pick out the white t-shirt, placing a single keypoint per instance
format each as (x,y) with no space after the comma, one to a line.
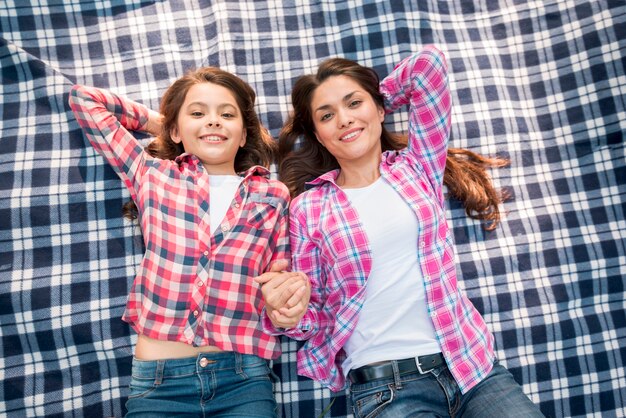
(393,323)
(222,190)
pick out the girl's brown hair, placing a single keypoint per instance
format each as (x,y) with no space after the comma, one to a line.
(465,173)
(259,148)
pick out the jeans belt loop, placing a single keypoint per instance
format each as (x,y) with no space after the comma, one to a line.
(160,366)
(396,374)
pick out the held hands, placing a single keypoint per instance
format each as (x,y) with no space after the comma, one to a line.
(286,294)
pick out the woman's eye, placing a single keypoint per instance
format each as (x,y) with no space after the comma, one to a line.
(355,103)
(228,115)
(325,116)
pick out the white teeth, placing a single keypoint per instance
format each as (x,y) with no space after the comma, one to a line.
(212,138)
(350,135)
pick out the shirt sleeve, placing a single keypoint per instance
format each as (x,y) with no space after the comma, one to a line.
(106,119)
(304,258)
(421,81)
(280,235)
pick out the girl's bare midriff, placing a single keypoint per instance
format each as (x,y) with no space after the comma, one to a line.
(150,349)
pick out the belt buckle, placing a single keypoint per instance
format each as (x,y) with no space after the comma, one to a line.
(419,366)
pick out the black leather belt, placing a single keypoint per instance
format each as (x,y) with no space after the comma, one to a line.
(421,364)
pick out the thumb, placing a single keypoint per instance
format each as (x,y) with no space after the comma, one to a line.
(279,265)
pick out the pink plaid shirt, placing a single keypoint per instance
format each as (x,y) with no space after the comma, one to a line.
(191,286)
(329,244)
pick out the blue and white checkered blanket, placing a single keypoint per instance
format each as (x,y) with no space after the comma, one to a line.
(541,82)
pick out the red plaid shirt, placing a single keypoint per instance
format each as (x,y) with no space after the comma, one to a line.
(191,286)
(329,244)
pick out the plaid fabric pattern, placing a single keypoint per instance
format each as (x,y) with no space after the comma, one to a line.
(329,244)
(192,286)
(539,82)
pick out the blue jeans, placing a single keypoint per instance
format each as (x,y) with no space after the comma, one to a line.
(225,384)
(436,393)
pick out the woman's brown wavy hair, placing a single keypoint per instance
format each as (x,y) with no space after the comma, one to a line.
(259,149)
(465,173)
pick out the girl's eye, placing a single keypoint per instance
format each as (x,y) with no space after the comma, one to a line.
(325,116)
(228,115)
(196,114)
(355,103)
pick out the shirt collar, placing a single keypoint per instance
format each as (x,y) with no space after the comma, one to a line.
(328,177)
(388,158)
(193,162)
(256,169)
(186,158)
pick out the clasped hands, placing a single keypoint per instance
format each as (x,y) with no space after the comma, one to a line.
(286,294)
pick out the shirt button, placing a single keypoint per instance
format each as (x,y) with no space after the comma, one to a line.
(204,362)
(224,228)
(206,253)
(195,313)
(200,284)
(237,205)
(422,244)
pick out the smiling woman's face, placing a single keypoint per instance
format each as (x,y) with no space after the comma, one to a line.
(348,123)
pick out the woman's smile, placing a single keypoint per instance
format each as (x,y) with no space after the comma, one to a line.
(351,135)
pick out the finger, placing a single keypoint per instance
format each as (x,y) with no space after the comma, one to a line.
(296,297)
(294,311)
(294,283)
(264,278)
(276,277)
(280,321)
(286,290)
(291,315)
(279,265)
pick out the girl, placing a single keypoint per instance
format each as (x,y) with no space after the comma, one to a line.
(211,220)
(386,316)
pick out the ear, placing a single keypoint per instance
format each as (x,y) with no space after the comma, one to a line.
(381,114)
(174,135)
(244,135)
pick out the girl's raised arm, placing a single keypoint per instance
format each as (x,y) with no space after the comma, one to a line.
(106,119)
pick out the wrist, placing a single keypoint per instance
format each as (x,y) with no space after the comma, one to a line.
(153,126)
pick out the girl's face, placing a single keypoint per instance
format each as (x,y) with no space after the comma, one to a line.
(348,123)
(210,126)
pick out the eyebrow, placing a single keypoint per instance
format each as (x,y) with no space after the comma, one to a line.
(345,99)
(221,105)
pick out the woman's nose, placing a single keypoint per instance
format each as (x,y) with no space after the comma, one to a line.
(345,120)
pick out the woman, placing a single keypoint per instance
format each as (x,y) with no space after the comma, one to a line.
(386,315)
(211,220)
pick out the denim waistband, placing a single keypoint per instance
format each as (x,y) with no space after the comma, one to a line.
(204,362)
